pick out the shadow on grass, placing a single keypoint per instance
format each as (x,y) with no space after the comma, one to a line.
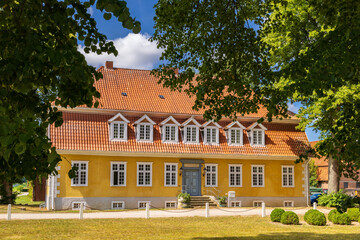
(290,235)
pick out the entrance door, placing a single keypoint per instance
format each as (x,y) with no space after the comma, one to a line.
(192,182)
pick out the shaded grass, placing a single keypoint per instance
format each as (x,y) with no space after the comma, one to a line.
(249,227)
(26,199)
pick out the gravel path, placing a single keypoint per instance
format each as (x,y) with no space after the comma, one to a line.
(153,213)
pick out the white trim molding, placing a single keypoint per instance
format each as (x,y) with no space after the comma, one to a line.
(288,176)
(119,115)
(237,129)
(258,173)
(121,203)
(211,133)
(173,204)
(211,175)
(286,203)
(257,136)
(144,174)
(119,171)
(76,181)
(235,172)
(173,174)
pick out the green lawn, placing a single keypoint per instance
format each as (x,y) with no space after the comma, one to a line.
(26,199)
(252,227)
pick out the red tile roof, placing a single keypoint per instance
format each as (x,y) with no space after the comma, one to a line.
(81,131)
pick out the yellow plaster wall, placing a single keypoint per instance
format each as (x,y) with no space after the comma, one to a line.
(99,178)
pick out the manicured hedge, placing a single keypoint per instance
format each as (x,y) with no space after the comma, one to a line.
(332,214)
(342,219)
(275,215)
(315,217)
(289,217)
(354,213)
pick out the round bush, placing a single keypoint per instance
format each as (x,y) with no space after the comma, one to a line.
(332,214)
(342,219)
(275,215)
(354,213)
(289,217)
(315,217)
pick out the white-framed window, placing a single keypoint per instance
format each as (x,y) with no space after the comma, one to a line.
(258,137)
(144,174)
(235,175)
(257,203)
(211,175)
(81,175)
(117,205)
(235,137)
(142,204)
(288,203)
(76,205)
(170,133)
(235,204)
(287,176)
(191,134)
(145,132)
(118,131)
(257,176)
(170,174)
(118,174)
(211,135)
(170,204)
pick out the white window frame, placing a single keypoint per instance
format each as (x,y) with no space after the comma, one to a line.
(262,132)
(137,174)
(216,175)
(87,173)
(186,132)
(122,202)
(287,174)
(123,139)
(241,136)
(175,202)
(241,175)
(206,137)
(73,207)
(164,133)
(112,174)
(176,174)
(151,132)
(287,201)
(236,202)
(139,202)
(252,176)
(257,202)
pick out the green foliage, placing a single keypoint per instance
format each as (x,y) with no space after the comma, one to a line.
(185,197)
(339,200)
(354,213)
(313,174)
(332,214)
(289,218)
(41,70)
(342,219)
(315,217)
(222,200)
(276,214)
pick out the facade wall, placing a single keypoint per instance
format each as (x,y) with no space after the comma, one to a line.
(99,182)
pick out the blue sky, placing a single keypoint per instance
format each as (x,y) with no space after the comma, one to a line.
(135,51)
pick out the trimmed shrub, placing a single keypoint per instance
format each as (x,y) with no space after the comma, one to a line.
(289,217)
(315,217)
(275,215)
(342,219)
(340,200)
(354,213)
(332,214)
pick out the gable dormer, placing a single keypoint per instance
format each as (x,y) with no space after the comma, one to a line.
(169,129)
(256,134)
(211,132)
(191,131)
(144,129)
(234,134)
(118,128)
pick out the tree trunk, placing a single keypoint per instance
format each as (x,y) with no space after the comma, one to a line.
(8,191)
(333,182)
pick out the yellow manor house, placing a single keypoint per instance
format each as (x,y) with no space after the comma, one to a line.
(145,144)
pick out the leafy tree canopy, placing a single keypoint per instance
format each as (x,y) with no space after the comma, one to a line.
(40,66)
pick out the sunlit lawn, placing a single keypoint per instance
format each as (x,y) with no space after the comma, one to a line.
(250,227)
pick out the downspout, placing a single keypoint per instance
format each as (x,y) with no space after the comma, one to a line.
(307,181)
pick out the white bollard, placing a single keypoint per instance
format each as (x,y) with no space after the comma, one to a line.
(8,217)
(314,205)
(81,213)
(147,211)
(207,211)
(263,213)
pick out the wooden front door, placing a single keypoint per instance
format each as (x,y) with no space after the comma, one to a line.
(192,181)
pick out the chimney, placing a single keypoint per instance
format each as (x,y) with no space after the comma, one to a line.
(109,65)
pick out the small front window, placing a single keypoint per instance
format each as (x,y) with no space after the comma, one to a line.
(257,176)
(118,131)
(235,175)
(170,174)
(170,133)
(287,176)
(118,174)
(258,138)
(145,133)
(211,175)
(236,136)
(81,177)
(144,174)
(191,133)
(211,135)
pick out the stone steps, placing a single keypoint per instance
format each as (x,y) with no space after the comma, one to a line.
(200,201)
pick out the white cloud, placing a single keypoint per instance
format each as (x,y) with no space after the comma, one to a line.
(293,108)
(90,11)
(135,51)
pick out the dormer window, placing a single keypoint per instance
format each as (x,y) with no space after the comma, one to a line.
(211,132)
(235,133)
(118,126)
(170,130)
(144,129)
(191,131)
(256,133)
